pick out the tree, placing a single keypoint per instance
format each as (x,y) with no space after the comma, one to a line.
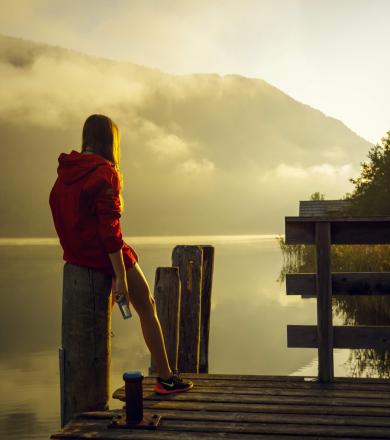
(371,195)
(317,196)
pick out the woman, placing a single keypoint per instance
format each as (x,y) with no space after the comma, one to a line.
(86,204)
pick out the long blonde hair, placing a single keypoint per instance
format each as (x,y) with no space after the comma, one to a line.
(102,136)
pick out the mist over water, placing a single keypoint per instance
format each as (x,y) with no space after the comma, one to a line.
(250,312)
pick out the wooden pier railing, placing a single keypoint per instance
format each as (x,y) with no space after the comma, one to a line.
(323,232)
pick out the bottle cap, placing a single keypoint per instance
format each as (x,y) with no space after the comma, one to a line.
(132,375)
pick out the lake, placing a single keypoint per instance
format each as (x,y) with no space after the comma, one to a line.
(250,313)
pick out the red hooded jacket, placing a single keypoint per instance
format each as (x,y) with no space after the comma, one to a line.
(85,205)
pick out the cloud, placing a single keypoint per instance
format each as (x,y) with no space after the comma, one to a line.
(165,145)
(169,145)
(64,88)
(203,166)
(324,170)
(334,153)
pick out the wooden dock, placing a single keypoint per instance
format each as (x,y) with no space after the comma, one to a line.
(253,407)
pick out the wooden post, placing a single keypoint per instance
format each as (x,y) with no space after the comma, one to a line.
(134,396)
(189,260)
(324,301)
(86,343)
(167,298)
(61,354)
(207,280)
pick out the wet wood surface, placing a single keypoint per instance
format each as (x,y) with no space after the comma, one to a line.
(250,406)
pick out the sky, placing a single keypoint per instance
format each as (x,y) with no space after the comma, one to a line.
(330,54)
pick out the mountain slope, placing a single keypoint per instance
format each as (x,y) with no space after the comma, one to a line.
(201,154)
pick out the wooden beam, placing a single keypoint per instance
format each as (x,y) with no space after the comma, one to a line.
(360,336)
(167,297)
(324,302)
(189,260)
(344,230)
(207,281)
(343,283)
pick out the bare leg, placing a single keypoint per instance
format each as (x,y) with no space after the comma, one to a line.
(143,303)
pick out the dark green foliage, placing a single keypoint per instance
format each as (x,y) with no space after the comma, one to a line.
(371,195)
(317,196)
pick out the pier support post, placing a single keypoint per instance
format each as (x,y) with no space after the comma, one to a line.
(86,341)
(167,298)
(207,280)
(324,302)
(189,260)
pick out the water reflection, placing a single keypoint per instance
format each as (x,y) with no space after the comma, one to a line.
(351,310)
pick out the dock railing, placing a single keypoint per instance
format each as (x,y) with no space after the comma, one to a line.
(324,232)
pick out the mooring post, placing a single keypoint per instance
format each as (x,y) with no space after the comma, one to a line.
(189,260)
(324,301)
(133,395)
(85,355)
(207,281)
(167,298)
(135,418)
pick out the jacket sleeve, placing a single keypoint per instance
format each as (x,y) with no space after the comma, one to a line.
(108,210)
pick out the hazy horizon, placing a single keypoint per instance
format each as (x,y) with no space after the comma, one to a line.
(152,239)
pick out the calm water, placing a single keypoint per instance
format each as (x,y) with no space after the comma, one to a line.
(250,312)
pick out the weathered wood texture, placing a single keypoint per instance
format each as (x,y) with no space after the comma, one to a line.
(344,230)
(343,283)
(189,260)
(167,297)
(86,342)
(207,280)
(359,336)
(323,284)
(324,302)
(249,406)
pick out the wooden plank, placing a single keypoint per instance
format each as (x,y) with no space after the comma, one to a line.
(206,397)
(359,336)
(324,302)
(343,283)
(373,391)
(222,416)
(244,424)
(292,379)
(286,381)
(366,395)
(95,428)
(189,260)
(350,230)
(278,408)
(167,296)
(273,428)
(311,385)
(207,280)
(243,417)
(249,377)
(91,427)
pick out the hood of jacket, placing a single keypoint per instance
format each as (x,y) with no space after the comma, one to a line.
(75,165)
